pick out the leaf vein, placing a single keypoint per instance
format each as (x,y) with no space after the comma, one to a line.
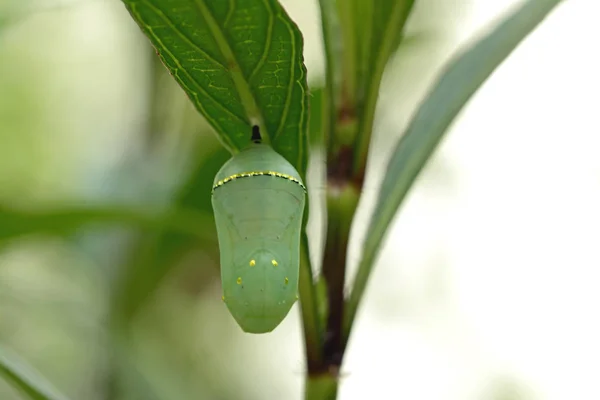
(246,96)
(229,13)
(197,102)
(183,36)
(268,41)
(290,85)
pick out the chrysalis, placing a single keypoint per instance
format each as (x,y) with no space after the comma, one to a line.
(258,199)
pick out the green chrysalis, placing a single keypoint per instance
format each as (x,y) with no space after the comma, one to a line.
(258,200)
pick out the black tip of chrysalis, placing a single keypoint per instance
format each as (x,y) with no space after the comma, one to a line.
(256,138)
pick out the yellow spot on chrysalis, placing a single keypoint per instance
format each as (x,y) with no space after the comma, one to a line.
(223,298)
(287,280)
(239,280)
(274,263)
(252,263)
(296,297)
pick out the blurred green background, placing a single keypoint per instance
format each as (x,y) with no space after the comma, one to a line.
(89,116)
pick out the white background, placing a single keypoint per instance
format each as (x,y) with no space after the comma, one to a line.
(489,280)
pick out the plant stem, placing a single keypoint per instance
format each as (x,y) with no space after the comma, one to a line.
(321,387)
(308,307)
(342,200)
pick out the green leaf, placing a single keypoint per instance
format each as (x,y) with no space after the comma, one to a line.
(334,72)
(460,80)
(359,39)
(19,222)
(317,113)
(23,377)
(241,64)
(381,30)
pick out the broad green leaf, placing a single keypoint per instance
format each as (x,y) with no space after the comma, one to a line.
(19,222)
(241,64)
(23,377)
(459,81)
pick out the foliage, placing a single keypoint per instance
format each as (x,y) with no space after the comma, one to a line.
(240,63)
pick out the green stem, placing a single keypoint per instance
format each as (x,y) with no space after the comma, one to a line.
(342,201)
(309,309)
(321,387)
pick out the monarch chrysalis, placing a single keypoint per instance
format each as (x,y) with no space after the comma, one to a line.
(258,200)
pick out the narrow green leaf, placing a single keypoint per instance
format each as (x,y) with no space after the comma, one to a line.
(334,72)
(460,80)
(347,38)
(241,64)
(18,222)
(384,22)
(316,130)
(23,377)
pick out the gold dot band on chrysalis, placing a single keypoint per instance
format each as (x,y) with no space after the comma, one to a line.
(258,173)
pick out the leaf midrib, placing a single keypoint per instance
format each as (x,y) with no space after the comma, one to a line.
(290,88)
(249,103)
